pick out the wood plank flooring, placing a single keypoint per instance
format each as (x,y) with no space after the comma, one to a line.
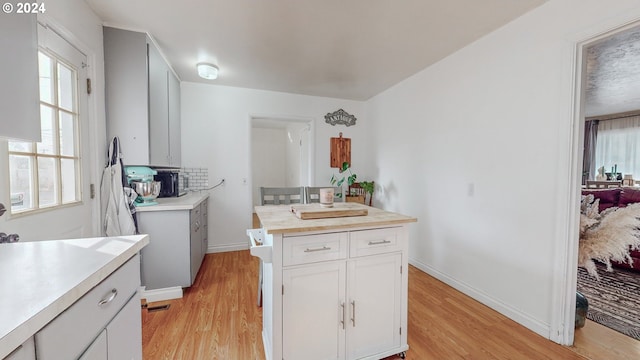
(218,319)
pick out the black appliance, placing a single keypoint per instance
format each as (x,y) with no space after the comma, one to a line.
(174,183)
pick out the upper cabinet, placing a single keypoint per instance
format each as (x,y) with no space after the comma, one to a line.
(19,97)
(142,99)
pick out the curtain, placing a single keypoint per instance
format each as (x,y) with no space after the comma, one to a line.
(588,160)
(618,142)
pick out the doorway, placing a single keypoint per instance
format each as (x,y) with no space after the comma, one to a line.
(606,76)
(281,153)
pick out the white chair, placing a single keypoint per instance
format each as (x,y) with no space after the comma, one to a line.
(282,195)
(312,194)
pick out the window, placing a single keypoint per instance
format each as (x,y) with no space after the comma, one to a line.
(47,174)
(617,145)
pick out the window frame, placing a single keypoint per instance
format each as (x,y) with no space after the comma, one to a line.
(35,155)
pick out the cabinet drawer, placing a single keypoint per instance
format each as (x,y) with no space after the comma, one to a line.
(371,242)
(79,325)
(313,248)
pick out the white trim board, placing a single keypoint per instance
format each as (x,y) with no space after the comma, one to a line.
(161,294)
(227,248)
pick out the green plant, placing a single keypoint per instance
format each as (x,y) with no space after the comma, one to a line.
(351,179)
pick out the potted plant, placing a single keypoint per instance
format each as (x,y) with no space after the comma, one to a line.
(367,186)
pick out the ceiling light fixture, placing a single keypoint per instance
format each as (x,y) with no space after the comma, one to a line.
(207,71)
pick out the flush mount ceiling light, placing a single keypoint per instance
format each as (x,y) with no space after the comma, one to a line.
(207,71)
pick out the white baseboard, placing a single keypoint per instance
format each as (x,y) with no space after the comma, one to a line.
(523,319)
(227,248)
(161,294)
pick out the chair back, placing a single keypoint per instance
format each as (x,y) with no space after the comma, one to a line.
(282,195)
(356,190)
(312,194)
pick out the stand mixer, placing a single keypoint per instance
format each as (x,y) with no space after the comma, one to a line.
(140,179)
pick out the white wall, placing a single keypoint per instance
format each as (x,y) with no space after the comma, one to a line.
(215,135)
(80,25)
(268,159)
(478,148)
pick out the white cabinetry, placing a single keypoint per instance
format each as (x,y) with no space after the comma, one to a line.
(19,97)
(26,351)
(142,99)
(104,324)
(313,324)
(175,254)
(342,295)
(98,349)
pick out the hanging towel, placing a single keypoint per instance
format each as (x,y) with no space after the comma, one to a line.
(117,217)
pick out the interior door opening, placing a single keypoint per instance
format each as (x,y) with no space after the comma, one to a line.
(603,91)
(281,153)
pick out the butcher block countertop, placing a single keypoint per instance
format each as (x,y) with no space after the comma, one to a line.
(279,219)
(41,279)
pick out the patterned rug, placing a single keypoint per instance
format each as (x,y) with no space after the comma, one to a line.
(614,301)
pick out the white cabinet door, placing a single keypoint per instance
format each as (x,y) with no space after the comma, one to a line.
(124,332)
(26,351)
(195,241)
(166,261)
(98,348)
(175,152)
(19,97)
(374,299)
(314,313)
(158,108)
(127,92)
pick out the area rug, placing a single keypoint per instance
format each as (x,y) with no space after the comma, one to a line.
(614,301)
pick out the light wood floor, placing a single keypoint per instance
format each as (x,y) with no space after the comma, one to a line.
(218,319)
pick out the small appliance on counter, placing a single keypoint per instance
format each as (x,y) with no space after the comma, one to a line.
(174,183)
(140,179)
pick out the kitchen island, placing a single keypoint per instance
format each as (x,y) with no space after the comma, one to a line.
(42,279)
(333,287)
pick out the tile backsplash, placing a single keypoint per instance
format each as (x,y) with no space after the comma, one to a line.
(198,178)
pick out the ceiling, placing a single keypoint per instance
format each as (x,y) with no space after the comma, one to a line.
(613,74)
(351,49)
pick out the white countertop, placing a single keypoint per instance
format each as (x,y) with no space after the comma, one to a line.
(186,202)
(40,279)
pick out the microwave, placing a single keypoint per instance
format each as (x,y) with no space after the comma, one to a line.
(173,183)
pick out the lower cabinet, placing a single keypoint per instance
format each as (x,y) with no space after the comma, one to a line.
(176,246)
(105,323)
(98,349)
(26,351)
(118,341)
(345,308)
(315,319)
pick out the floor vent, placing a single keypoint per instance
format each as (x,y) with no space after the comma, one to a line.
(158,308)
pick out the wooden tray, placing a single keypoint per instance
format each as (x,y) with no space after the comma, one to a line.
(315,211)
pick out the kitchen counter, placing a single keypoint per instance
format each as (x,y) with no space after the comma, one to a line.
(278,219)
(186,202)
(41,279)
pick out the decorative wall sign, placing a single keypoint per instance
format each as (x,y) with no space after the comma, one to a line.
(340,151)
(340,117)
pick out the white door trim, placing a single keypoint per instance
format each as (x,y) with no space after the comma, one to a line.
(566,261)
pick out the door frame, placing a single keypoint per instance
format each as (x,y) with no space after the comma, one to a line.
(566,264)
(284,119)
(91,160)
